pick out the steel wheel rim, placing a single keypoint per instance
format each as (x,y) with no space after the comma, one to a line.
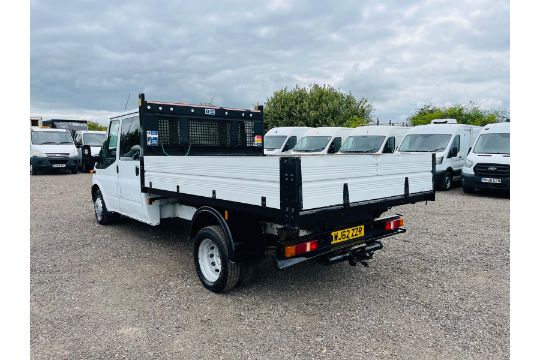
(209,260)
(98,208)
(448,181)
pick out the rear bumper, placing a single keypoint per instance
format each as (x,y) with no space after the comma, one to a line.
(348,250)
(47,163)
(475,181)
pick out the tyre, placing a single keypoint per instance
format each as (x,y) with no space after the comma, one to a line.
(103,216)
(212,261)
(446,182)
(74,170)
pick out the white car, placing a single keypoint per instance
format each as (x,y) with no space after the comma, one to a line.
(88,143)
(281,140)
(52,149)
(488,164)
(373,139)
(450,141)
(321,140)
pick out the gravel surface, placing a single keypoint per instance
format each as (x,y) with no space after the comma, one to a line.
(129,290)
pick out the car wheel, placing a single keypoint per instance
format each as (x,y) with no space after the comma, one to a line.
(446,183)
(214,268)
(103,216)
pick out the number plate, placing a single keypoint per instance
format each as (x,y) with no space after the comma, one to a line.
(58,165)
(347,234)
(491,180)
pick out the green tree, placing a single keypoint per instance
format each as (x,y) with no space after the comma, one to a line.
(464,114)
(315,106)
(92,125)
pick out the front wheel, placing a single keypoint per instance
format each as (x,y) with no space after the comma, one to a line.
(211,255)
(103,216)
(446,182)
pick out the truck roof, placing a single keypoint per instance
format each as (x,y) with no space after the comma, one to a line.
(496,128)
(379,130)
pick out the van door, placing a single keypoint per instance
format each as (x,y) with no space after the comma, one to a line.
(108,168)
(458,159)
(129,170)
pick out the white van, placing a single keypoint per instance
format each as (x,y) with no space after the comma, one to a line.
(488,164)
(52,149)
(88,143)
(281,140)
(449,140)
(321,140)
(373,139)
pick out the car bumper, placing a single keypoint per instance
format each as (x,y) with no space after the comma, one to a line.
(56,163)
(475,181)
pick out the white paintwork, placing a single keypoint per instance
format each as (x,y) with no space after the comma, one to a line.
(79,136)
(467,134)
(332,132)
(388,131)
(475,156)
(288,132)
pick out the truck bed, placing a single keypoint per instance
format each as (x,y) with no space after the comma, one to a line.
(291,186)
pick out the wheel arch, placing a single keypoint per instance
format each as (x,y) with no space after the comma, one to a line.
(206,216)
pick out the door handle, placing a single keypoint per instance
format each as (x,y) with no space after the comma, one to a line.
(117,169)
(136,171)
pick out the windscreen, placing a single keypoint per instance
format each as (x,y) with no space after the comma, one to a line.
(362,144)
(273,142)
(51,137)
(71,125)
(425,142)
(93,139)
(312,143)
(498,143)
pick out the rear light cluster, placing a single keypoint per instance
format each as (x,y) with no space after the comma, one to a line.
(298,249)
(394,224)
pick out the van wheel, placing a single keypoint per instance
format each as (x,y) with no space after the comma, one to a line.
(32,170)
(75,169)
(103,216)
(210,253)
(446,183)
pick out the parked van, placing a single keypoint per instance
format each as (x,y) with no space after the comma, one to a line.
(374,139)
(321,140)
(488,164)
(449,140)
(281,140)
(52,149)
(88,143)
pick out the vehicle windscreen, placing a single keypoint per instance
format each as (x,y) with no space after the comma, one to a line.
(93,139)
(362,144)
(273,142)
(51,137)
(71,125)
(493,144)
(425,142)
(312,143)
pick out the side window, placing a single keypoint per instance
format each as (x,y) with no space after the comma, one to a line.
(291,143)
(335,145)
(112,141)
(130,139)
(454,149)
(390,145)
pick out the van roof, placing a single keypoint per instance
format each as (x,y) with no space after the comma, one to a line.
(497,128)
(287,130)
(438,128)
(379,130)
(328,131)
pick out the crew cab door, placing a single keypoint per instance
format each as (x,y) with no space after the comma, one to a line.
(107,168)
(131,199)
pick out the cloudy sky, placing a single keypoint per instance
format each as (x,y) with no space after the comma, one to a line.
(87,56)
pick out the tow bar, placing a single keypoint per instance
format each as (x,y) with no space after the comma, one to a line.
(359,255)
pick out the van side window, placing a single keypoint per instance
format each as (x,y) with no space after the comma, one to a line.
(291,143)
(390,145)
(455,145)
(335,145)
(130,139)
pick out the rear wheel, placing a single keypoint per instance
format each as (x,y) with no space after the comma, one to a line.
(212,261)
(446,183)
(103,216)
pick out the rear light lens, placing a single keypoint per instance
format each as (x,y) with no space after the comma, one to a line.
(394,224)
(298,249)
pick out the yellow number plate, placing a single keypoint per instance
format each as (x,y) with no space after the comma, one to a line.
(347,234)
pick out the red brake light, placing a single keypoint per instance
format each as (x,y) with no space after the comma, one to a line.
(394,224)
(302,248)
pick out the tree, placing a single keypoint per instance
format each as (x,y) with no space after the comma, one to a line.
(464,114)
(315,106)
(92,125)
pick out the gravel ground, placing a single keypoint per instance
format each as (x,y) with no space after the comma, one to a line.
(129,290)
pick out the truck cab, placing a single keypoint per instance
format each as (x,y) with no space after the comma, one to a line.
(488,164)
(52,149)
(320,141)
(373,139)
(88,143)
(450,141)
(281,140)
